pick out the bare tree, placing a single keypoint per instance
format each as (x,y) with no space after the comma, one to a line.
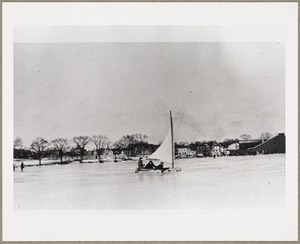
(38,145)
(266,136)
(62,146)
(81,142)
(245,137)
(139,138)
(109,145)
(123,142)
(100,142)
(127,140)
(18,142)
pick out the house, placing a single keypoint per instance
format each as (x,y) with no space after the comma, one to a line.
(233,146)
(221,149)
(241,148)
(232,149)
(203,150)
(117,151)
(108,152)
(226,152)
(183,151)
(192,154)
(216,150)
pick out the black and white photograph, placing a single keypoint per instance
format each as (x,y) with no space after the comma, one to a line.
(148,118)
(149,125)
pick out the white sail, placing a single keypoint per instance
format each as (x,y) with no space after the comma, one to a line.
(164,152)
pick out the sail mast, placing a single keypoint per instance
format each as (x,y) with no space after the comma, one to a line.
(172,142)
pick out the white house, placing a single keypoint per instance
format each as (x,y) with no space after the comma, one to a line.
(183,152)
(234,146)
(216,150)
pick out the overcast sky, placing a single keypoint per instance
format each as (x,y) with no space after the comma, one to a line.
(215,90)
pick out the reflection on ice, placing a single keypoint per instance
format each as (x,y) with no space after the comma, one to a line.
(244,182)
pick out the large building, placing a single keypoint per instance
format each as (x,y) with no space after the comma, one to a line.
(275,144)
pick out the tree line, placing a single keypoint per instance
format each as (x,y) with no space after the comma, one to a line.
(41,147)
(133,145)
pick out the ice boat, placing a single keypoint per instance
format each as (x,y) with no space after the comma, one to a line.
(165,153)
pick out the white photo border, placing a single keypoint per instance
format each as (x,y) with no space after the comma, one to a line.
(237,22)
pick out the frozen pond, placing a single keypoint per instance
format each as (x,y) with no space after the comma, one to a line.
(225,182)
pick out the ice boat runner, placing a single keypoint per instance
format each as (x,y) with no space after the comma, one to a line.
(165,153)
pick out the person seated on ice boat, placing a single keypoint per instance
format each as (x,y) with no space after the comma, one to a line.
(161,166)
(140,164)
(150,165)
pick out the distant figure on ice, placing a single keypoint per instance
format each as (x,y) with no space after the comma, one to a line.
(22,166)
(14,167)
(161,166)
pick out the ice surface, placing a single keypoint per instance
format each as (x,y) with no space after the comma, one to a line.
(225,182)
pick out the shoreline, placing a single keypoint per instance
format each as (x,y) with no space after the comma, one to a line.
(34,163)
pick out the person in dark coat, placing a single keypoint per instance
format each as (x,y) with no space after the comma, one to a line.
(150,165)
(161,167)
(140,164)
(22,166)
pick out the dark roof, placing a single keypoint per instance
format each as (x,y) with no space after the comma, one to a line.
(250,141)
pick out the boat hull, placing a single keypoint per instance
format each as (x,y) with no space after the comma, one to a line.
(157,171)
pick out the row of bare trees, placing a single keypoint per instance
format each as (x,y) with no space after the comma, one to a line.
(127,140)
(62,145)
(264,136)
